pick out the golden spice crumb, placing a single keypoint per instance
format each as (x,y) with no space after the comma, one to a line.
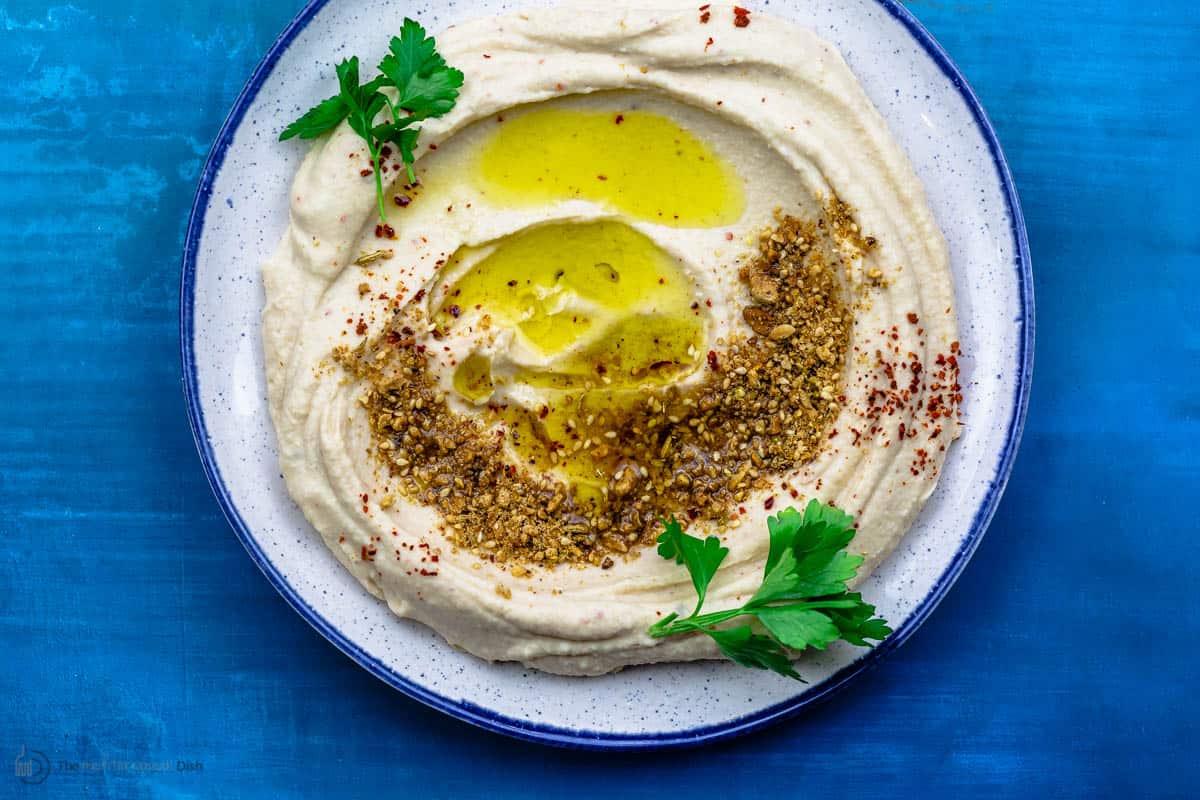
(780,332)
(366,258)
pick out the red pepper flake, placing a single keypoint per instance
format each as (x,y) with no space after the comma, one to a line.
(620,118)
(367,553)
(712,361)
(385,151)
(913,318)
(402,200)
(741,17)
(705,17)
(364,172)
(601,177)
(769,503)
(487,55)
(543,412)
(705,7)
(707,45)
(428,573)
(455,311)
(361,328)
(419,296)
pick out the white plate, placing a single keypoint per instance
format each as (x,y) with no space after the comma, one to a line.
(241,211)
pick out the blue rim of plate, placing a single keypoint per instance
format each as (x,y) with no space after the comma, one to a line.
(565,737)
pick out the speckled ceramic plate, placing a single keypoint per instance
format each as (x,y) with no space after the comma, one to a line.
(241,211)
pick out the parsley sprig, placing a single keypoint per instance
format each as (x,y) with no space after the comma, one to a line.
(425,87)
(803,600)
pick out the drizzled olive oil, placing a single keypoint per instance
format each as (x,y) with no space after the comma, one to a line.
(597,302)
(637,163)
(603,310)
(602,316)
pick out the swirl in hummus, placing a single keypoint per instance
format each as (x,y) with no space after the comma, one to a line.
(657,262)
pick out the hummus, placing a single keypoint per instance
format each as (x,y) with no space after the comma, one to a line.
(581,228)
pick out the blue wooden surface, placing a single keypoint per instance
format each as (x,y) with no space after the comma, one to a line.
(134,628)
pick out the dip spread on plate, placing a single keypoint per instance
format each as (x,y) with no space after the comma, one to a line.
(654,262)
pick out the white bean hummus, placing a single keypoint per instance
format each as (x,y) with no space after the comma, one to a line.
(615,211)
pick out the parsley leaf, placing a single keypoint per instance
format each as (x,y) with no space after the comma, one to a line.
(425,87)
(405,138)
(319,119)
(754,650)
(802,602)
(412,53)
(702,557)
(363,102)
(428,88)
(800,628)
(857,623)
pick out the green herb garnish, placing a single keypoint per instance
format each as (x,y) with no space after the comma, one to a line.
(424,87)
(803,600)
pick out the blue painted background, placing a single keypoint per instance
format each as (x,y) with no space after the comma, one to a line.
(133,627)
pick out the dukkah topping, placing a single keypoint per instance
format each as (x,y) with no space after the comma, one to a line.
(763,408)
